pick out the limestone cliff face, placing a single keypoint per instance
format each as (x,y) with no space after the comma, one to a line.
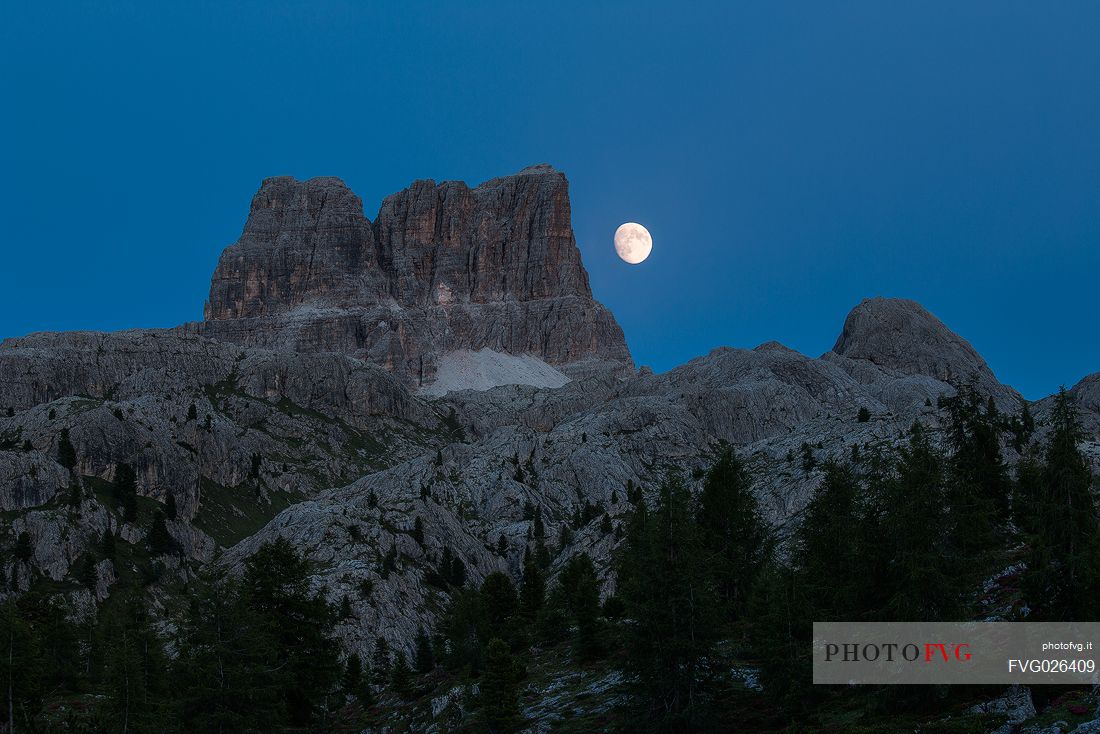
(443,267)
(285,424)
(304,242)
(902,336)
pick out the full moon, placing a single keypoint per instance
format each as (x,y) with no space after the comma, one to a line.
(633,243)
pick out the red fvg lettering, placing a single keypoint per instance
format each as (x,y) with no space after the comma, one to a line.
(960,651)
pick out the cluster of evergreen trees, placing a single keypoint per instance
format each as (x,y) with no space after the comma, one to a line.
(486,631)
(896,533)
(905,533)
(251,654)
(910,534)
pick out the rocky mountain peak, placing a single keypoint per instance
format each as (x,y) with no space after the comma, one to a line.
(443,268)
(303,241)
(902,335)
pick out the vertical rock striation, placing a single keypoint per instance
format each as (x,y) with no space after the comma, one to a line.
(444,267)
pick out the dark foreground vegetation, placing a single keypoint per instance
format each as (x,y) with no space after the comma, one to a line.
(708,629)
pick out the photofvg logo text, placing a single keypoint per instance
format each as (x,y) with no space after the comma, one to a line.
(935,653)
(910,652)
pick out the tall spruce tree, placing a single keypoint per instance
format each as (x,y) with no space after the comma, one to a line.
(126,491)
(460,627)
(911,537)
(135,669)
(734,533)
(227,674)
(827,559)
(401,676)
(499,707)
(532,588)
(66,452)
(356,680)
(380,661)
(159,540)
(498,608)
(579,596)
(57,638)
(21,670)
(425,657)
(1063,569)
(978,481)
(275,587)
(825,580)
(781,634)
(667,586)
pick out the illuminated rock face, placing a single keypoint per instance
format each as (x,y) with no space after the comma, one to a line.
(444,267)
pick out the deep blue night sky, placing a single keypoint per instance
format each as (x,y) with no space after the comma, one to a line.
(789,158)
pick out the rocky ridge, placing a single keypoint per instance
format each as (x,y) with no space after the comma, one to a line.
(332,443)
(443,267)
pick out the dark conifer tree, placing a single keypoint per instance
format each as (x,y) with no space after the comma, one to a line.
(76,495)
(446,561)
(159,540)
(910,534)
(734,533)
(498,696)
(542,554)
(401,676)
(135,669)
(228,675)
(458,572)
(828,561)
(781,635)
(86,572)
(57,638)
(578,597)
(667,586)
(380,662)
(276,588)
(585,604)
(532,589)
(356,681)
(809,461)
(498,607)
(24,549)
(425,657)
(459,627)
(389,562)
(21,671)
(126,491)
(1063,570)
(978,481)
(66,452)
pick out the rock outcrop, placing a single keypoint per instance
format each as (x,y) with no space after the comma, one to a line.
(307,403)
(231,435)
(561,449)
(442,268)
(901,336)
